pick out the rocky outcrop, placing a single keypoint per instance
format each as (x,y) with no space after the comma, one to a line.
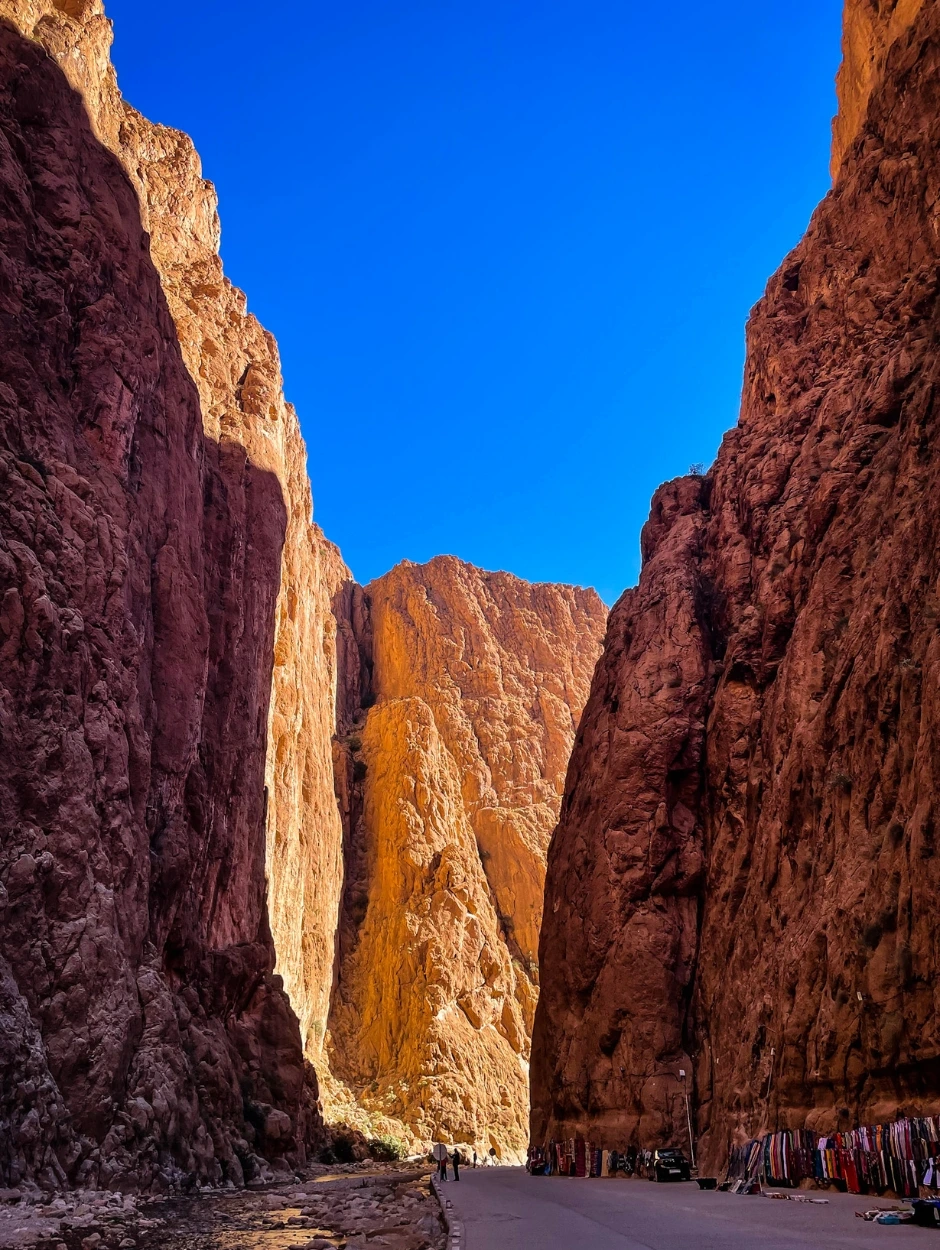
(148,1040)
(743,881)
(473,683)
(869,28)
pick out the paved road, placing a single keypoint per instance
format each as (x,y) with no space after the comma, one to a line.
(506,1209)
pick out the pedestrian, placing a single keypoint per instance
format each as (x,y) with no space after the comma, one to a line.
(440,1154)
(455,1159)
(474,1158)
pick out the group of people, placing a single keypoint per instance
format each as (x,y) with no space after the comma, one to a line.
(456,1159)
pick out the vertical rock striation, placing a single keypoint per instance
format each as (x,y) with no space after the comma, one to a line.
(743,880)
(476,682)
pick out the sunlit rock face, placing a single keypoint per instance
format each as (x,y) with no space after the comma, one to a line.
(743,882)
(455,775)
(143,522)
(869,29)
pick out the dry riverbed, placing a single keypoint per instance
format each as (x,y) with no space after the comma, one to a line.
(356,1207)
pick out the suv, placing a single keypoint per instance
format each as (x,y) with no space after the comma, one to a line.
(671,1165)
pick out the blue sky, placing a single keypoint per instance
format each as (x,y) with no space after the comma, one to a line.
(508,247)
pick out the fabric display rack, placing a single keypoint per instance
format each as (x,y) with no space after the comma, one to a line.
(903,1157)
(576,1157)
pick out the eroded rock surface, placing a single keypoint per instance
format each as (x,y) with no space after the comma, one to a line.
(452,789)
(144,524)
(743,882)
(869,28)
(234,364)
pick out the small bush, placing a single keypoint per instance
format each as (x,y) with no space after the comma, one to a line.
(387,1149)
(355,743)
(697,469)
(359,770)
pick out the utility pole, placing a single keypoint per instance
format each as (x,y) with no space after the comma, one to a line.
(688,1114)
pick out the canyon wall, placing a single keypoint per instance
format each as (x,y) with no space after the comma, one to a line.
(145,1038)
(455,767)
(234,364)
(311,771)
(869,28)
(743,881)
(275,579)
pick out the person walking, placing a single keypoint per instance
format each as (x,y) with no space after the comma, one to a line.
(440,1154)
(455,1160)
(474,1158)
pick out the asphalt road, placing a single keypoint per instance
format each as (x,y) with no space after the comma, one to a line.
(506,1209)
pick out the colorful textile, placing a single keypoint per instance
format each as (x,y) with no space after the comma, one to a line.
(902,1156)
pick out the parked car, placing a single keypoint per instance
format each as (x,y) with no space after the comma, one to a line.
(671,1165)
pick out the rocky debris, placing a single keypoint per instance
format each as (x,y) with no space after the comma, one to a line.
(146,1039)
(320,1209)
(394,1209)
(743,881)
(474,684)
(85,1218)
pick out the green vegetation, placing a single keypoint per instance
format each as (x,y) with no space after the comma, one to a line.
(387,1149)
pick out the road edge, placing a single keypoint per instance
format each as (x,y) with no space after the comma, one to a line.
(454,1226)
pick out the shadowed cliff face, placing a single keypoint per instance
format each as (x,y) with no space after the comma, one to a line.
(744,879)
(144,1036)
(451,787)
(234,365)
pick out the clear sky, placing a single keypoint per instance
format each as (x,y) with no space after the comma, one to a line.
(508,247)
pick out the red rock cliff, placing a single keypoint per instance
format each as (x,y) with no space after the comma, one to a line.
(743,882)
(154,492)
(234,364)
(869,29)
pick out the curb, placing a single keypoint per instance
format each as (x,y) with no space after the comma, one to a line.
(455,1233)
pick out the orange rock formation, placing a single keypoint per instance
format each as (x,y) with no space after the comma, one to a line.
(869,28)
(145,1038)
(479,681)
